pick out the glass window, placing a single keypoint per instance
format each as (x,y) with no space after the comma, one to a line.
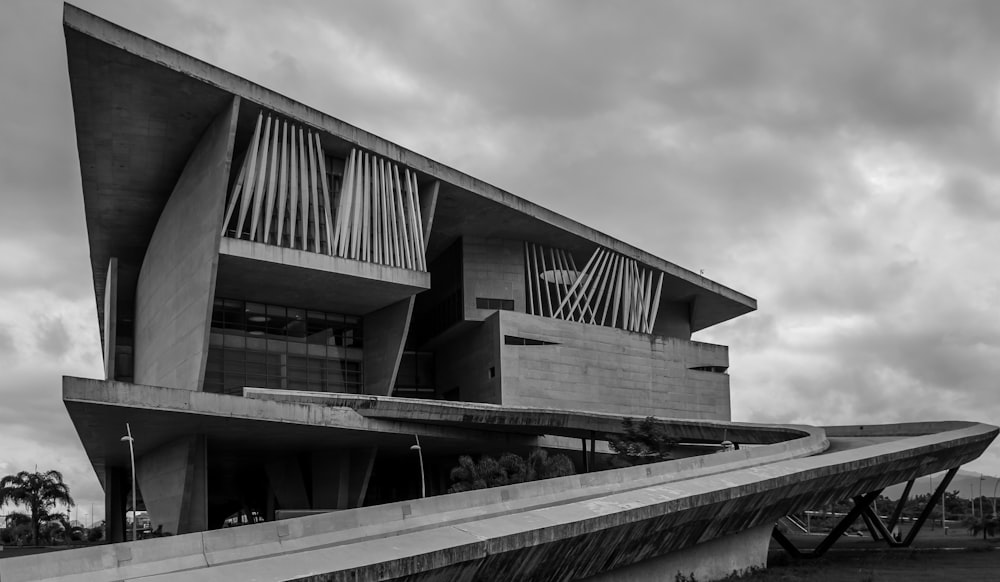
(280,347)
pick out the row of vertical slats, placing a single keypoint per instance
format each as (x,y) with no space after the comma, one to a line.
(378,219)
(282,197)
(611,290)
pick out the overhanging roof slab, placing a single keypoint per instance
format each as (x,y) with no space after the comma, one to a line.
(271,274)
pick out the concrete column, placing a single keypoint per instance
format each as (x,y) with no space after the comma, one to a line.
(173,481)
(331,472)
(110,319)
(428,204)
(385,336)
(285,477)
(115,493)
(340,477)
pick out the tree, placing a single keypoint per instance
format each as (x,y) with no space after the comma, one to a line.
(507,470)
(541,466)
(644,442)
(39,492)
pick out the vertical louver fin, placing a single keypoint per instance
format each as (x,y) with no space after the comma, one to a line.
(283,196)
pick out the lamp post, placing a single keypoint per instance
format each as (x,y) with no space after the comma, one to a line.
(981,512)
(972,498)
(420,455)
(131,453)
(995,483)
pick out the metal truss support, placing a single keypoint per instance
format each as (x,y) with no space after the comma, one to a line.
(885,531)
(862,508)
(860,504)
(896,513)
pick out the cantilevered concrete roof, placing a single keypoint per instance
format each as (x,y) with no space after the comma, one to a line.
(141,107)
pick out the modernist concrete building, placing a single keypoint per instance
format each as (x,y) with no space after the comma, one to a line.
(288,302)
(239,239)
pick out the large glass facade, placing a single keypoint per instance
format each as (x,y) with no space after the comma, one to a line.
(272,346)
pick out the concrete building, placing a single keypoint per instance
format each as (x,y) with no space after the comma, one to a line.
(240,239)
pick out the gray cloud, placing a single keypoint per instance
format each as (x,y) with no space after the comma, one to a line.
(53,338)
(8,349)
(971,198)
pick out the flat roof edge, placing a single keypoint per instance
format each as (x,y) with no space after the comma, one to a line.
(134,43)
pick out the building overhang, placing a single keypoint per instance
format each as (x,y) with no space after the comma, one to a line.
(99,410)
(270,274)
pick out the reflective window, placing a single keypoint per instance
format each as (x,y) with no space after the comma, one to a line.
(273,346)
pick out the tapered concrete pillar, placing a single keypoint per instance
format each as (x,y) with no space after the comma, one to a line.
(385,337)
(173,482)
(340,477)
(285,477)
(176,286)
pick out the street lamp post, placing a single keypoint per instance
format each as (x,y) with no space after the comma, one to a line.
(995,483)
(972,498)
(981,512)
(420,455)
(131,453)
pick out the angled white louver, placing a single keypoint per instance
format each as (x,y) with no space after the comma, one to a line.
(612,290)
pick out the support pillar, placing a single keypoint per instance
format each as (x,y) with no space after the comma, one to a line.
(115,493)
(174,485)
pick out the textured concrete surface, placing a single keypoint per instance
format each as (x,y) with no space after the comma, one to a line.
(173,301)
(534,420)
(99,410)
(609,369)
(712,560)
(464,363)
(492,268)
(560,529)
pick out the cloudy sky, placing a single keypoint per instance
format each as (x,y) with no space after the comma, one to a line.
(839,162)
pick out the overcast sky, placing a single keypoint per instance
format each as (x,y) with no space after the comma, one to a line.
(838,161)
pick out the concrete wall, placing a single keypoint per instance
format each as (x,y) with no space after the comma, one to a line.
(492,268)
(604,369)
(177,280)
(465,363)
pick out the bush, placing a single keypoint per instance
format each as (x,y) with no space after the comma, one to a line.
(509,469)
(644,442)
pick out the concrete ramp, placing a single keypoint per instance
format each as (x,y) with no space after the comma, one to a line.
(560,529)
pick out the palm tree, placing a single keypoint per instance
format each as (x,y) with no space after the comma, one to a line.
(39,492)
